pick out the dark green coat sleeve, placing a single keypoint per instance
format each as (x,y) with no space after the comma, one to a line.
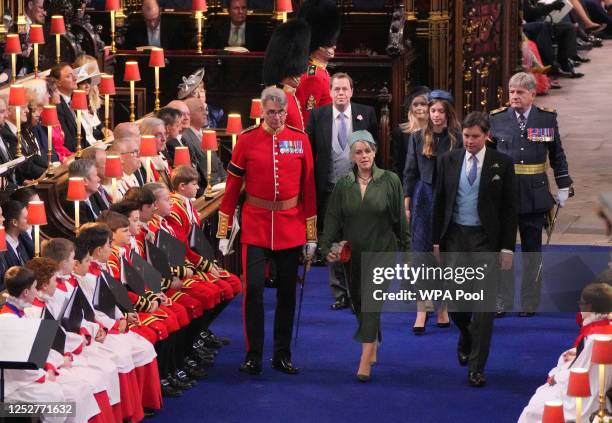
(332,229)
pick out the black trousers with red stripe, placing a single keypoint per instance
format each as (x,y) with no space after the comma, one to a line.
(253,263)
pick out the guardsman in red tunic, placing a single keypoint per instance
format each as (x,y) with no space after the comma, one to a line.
(285,60)
(274,161)
(324,21)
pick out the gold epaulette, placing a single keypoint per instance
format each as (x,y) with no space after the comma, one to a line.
(250,128)
(496,111)
(546,109)
(295,129)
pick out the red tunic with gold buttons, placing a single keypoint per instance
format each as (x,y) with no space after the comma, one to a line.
(275,166)
(295,117)
(313,90)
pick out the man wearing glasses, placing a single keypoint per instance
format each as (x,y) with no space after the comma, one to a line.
(279,221)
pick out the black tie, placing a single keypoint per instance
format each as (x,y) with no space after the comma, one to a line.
(522,122)
(22,254)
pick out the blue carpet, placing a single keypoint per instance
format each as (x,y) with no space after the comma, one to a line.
(417,379)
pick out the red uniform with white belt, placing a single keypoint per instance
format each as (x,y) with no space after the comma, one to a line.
(278,217)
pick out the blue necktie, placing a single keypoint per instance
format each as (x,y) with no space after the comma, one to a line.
(342,131)
(473,170)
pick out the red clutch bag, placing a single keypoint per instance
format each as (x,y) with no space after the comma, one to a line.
(345,253)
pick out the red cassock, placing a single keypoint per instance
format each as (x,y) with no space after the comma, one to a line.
(313,90)
(276,166)
(294,111)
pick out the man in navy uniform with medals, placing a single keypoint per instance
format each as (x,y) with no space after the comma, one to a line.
(529,134)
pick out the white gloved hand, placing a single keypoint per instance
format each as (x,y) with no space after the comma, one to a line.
(562,196)
(224,246)
(309,250)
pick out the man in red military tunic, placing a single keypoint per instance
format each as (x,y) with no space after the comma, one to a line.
(324,21)
(285,60)
(278,218)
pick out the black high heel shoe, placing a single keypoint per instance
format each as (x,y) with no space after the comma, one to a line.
(420,330)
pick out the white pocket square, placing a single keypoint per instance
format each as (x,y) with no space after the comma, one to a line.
(496,178)
(495,165)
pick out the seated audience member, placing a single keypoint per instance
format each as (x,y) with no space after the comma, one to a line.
(57,133)
(89,210)
(596,308)
(194,87)
(65,78)
(193,136)
(8,180)
(3,265)
(34,135)
(102,198)
(35,165)
(128,150)
(16,224)
(159,169)
(235,31)
(88,78)
(25,195)
(151,29)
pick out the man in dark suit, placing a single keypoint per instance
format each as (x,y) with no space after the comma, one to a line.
(530,134)
(16,223)
(89,210)
(328,130)
(235,32)
(66,84)
(151,29)
(475,212)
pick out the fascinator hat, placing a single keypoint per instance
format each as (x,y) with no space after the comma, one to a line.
(88,71)
(361,135)
(190,84)
(441,95)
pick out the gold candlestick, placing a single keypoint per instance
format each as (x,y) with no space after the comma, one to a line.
(78,139)
(36,60)
(18,121)
(36,241)
(233,141)
(50,150)
(112,17)
(57,49)
(106,115)
(198,16)
(76,216)
(114,189)
(132,104)
(157,104)
(13,68)
(208,193)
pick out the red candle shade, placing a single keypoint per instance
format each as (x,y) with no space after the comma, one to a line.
(147,146)
(199,5)
(284,6)
(112,167)
(76,189)
(553,412)
(13,45)
(255,108)
(57,25)
(157,58)
(132,73)
(234,123)
(107,85)
(181,157)
(17,96)
(112,5)
(79,100)
(579,385)
(2,239)
(36,34)
(36,213)
(602,350)
(48,116)
(209,140)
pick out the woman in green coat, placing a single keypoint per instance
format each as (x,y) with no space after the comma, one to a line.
(365,209)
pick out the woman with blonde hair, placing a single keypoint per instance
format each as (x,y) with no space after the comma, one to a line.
(88,78)
(441,134)
(417,119)
(34,135)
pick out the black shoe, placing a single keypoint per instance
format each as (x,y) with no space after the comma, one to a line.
(526,314)
(341,302)
(202,359)
(284,365)
(476,379)
(463,350)
(222,339)
(500,314)
(581,59)
(418,330)
(209,340)
(194,370)
(597,41)
(148,413)
(443,325)
(180,380)
(168,390)
(251,367)
(596,30)
(270,283)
